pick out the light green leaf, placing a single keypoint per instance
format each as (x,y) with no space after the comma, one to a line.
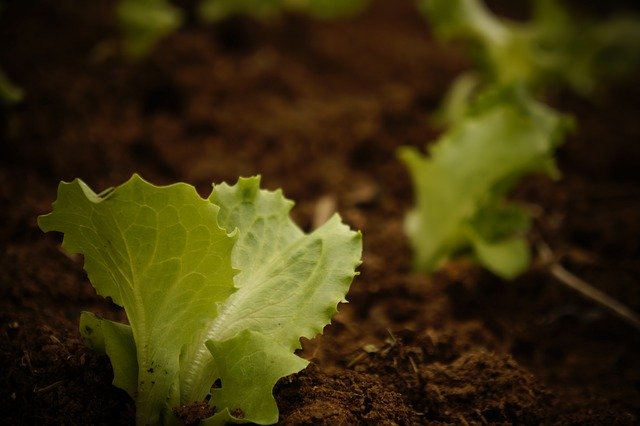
(293,280)
(329,9)
(217,10)
(497,234)
(144,22)
(9,93)
(464,18)
(506,258)
(459,187)
(159,253)
(249,364)
(458,98)
(289,286)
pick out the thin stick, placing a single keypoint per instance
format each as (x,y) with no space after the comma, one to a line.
(584,288)
(49,387)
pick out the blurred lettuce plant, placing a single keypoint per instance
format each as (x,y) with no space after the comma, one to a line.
(553,48)
(461,186)
(144,22)
(216,10)
(9,93)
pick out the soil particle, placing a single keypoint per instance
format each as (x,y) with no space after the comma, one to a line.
(340,398)
(192,414)
(447,382)
(49,377)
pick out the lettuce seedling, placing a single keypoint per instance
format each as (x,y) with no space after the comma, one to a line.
(553,48)
(9,93)
(216,291)
(460,187)
(144,22)
(216,10)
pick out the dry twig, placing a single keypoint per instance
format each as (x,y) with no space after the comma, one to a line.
(584,288)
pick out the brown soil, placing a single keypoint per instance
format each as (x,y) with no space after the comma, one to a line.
(319,110)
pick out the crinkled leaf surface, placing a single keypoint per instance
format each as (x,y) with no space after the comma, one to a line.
(159,253)
(289,286)
(460,186)
(301,276)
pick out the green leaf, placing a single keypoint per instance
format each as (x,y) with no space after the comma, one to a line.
(506,258)
(144,22)
(497,234)
(9,93)
(159,253)
(458,98)
(293,280)
(289,286)
(460,186)
(464,18)
(249,365)
(330,9)
(217,10)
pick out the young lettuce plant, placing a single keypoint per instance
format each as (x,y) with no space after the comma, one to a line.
(497,131)
(216,291)
(216,10)
(144,22)
(553,48)
(9,93)
(460,187)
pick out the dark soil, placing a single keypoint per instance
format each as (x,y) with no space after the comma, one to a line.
(318,109)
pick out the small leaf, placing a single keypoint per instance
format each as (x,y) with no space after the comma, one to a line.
(9,93)
(217,10)
(144,22)
(249,365)
(506,258)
